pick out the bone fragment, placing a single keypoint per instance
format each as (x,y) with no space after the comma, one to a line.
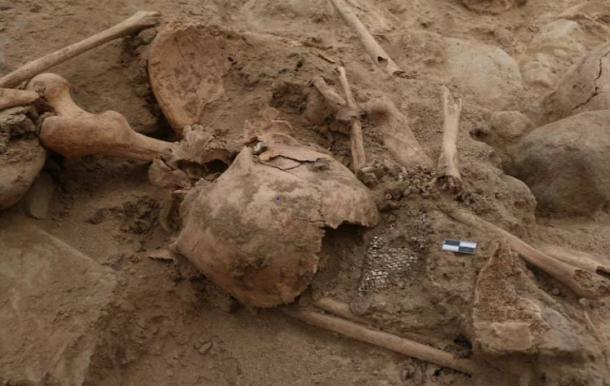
(449,177)
(12,97)
(383,113)
(335,101)
(383,339)
(74,132)
(396,133)
(356,138)
(582,282)
(138,21)
(375,51)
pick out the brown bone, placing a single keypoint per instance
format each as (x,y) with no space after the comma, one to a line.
(75,132)
(10,97)
(383,339)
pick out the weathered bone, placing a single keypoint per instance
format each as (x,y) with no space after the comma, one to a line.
(140,20)
(582,282)
(251,198)
(383,339)
(75,132)
(11,97)
(396,133)
(375,51)
(356,138)
(334,100)
(576,258)
(393,125)
(449,177)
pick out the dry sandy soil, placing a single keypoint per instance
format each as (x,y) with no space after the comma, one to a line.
(137,320)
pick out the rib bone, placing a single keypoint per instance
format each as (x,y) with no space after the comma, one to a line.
(75,132)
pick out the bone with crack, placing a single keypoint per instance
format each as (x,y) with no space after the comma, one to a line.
(232,227)
(138,21)
(74,132)
(449,177)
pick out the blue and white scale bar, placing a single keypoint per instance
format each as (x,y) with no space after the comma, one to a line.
(460,246)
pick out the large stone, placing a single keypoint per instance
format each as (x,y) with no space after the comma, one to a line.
(566,163)
(586,87)
(21,155)
(511,315)
(37,201)
(20,166)
(552,51)
(51,297)
(485,74)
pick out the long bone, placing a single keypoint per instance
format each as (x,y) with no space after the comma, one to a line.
(583,282)
(383,339)
(74,132)
(138,21)
(12,97)
(449,173)
(375,51)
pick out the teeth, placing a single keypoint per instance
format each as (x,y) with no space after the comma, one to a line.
(385,266)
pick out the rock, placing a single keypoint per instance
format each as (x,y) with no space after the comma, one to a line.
(510,125)
(37,201)
(586,87)
(51,297)
(485,74)
(20,166)
(511,314)
(552,50)
(539,71)
(21,155)
(492,6)
(566,164)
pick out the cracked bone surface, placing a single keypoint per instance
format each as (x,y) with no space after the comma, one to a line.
(585,87)
(257,231)
(74,132)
